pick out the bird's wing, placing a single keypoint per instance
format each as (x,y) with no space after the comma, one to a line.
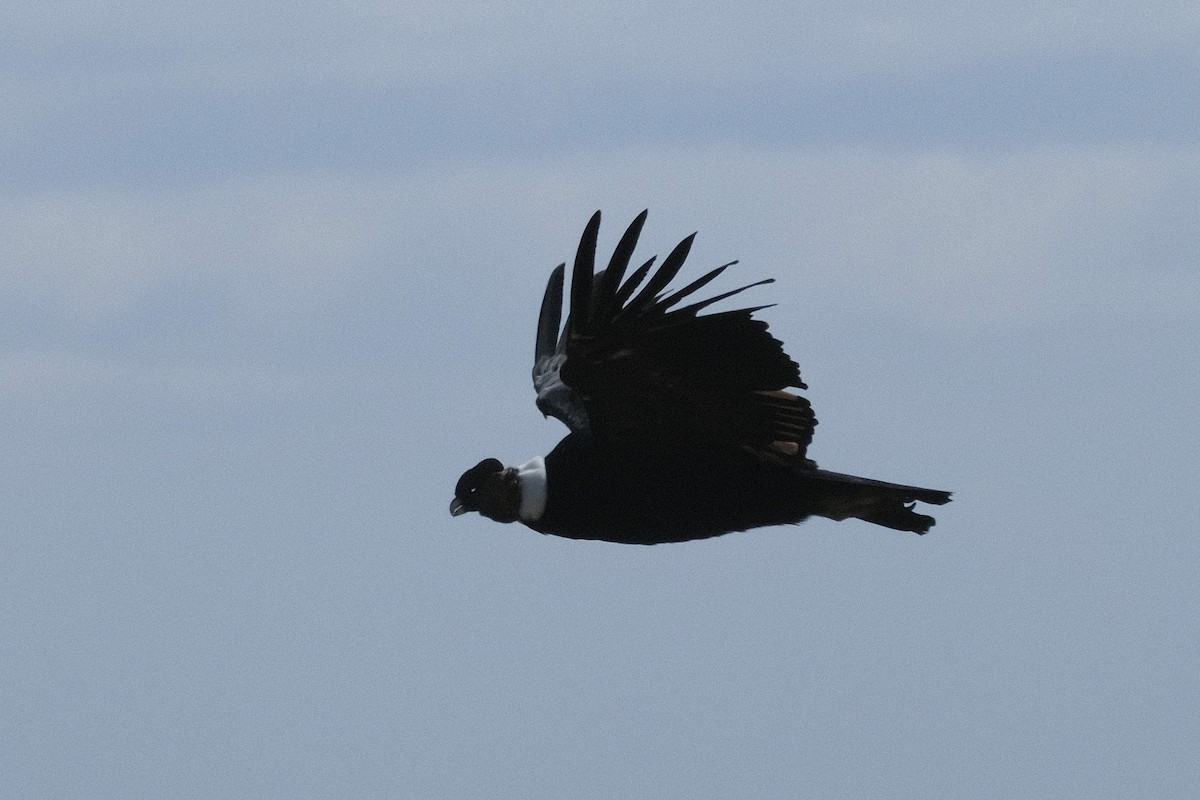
(633,366)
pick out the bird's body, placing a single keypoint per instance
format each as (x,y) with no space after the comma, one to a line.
(656,495)
(681,425)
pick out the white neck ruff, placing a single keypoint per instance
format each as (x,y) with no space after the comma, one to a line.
(531,477)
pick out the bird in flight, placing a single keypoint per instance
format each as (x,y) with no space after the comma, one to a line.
(681,423)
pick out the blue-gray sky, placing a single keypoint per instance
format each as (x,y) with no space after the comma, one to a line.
(270,279)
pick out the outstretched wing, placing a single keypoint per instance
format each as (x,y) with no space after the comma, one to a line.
(632,365)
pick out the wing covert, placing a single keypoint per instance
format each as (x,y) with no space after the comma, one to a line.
(554,398)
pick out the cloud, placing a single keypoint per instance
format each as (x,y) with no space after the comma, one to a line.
(245,45)
(169,95)
(992,238)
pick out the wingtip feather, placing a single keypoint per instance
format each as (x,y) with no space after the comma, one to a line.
(550,316)
(581,274)
(607,289)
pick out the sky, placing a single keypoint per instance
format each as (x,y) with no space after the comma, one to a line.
(270,279)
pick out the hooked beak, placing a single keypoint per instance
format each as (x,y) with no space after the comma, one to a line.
(458,507)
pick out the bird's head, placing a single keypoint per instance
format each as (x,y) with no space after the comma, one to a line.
(489,488)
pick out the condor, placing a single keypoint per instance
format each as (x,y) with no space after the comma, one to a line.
(682,425)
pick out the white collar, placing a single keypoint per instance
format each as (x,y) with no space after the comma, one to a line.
(531,477)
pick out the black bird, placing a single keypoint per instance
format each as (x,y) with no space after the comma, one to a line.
(681,427)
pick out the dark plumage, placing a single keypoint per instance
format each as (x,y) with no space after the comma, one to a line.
(681,425)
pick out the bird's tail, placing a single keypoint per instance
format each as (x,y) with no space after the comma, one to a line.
(887,504)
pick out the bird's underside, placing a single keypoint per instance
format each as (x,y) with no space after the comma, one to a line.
(654,496)
(683,425)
